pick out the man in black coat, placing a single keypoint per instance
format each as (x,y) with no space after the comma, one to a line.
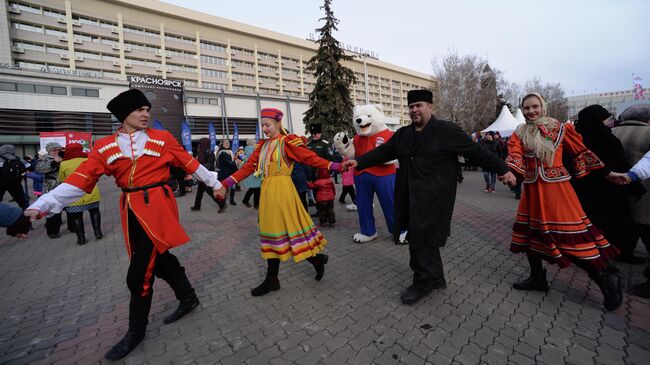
(425,188)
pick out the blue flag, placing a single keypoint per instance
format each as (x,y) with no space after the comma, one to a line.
(257,132)
(213,136)
(186,136)
(157,125)
(235,138)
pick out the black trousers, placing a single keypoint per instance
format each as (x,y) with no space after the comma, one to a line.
(348,190)
(255,192)
(17,193)
(426,264)
(146,263)
(202,188)
(326,212)
(53,224)
(303,199)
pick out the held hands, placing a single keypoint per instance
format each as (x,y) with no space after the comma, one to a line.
(220,194)
(508,179)
(618,178)
(34,214)
(345,166)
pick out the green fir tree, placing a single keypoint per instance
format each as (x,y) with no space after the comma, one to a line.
(329,102)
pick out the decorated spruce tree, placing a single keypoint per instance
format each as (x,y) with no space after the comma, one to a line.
(329,102)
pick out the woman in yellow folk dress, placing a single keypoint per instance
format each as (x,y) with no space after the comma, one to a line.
(286,230)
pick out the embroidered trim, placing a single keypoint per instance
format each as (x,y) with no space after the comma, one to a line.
(586,161)
(110,152)
(153,147)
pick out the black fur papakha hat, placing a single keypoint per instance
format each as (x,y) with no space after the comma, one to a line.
(123,104)
(315,129)
(414,96)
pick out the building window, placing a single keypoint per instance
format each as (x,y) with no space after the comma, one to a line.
(213,46)
(213,73)
(25,88)
(59,90)
(27,27)
(213,60)
(76,91)
(213,86)
(7,86)
(26,8)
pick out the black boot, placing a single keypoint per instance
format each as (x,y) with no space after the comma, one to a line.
(319,262)
(126,344)
(537,280)
(184,307)
(96,221)
(78,224)
(139,308)
(271,282)
(611,285)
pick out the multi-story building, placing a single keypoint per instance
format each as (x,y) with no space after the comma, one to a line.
(61,61)
(614,101)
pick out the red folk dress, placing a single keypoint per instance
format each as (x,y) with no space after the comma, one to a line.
(159,217)
(550,222)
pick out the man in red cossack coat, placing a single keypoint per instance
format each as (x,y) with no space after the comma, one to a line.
(139,158)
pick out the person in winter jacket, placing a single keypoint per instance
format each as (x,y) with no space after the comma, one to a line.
(325,193)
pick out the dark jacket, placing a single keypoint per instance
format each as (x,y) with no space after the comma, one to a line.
(425,189)
(300,175)
(495,148)
(226,165)
(606,204)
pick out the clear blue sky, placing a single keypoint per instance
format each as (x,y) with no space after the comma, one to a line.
(587,46)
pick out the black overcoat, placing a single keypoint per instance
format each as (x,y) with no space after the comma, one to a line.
(425,188)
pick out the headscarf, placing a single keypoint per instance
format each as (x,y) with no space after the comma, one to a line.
(534,134)
(204,147)
(74,150)
(8,151)
(590,122)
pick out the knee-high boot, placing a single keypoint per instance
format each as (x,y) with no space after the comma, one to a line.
(77,221)
(319,262)
(610,282)
(271,282)
(537,280)
(96,220)
(139,308)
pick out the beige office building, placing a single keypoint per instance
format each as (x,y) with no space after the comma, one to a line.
(614,101)
(61,61)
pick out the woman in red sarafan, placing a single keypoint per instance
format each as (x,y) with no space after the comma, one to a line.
(550,222)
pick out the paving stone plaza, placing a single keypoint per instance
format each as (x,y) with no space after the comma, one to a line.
(68,304)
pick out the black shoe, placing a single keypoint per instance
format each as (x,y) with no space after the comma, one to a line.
(642,290)
(319,265)
(612,289)
(195,208)
(54,236)
(98,234)
(248,205)
(126,344)
(332,225)
(517,196)
(629,259)
(232,202)
(533,282)
(81,240)
(182,310)
(414,293)
(222,209)
(267,286)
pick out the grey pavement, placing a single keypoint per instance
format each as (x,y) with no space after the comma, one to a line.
(67,304)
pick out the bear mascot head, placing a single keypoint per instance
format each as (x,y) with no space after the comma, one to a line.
(367,120)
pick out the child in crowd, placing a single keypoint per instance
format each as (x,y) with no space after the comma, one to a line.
(325,193)
(347,179)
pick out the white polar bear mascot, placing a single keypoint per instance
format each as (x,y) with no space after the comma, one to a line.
(370,124)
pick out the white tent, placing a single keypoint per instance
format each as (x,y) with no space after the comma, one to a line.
(520,116)
(505,123)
